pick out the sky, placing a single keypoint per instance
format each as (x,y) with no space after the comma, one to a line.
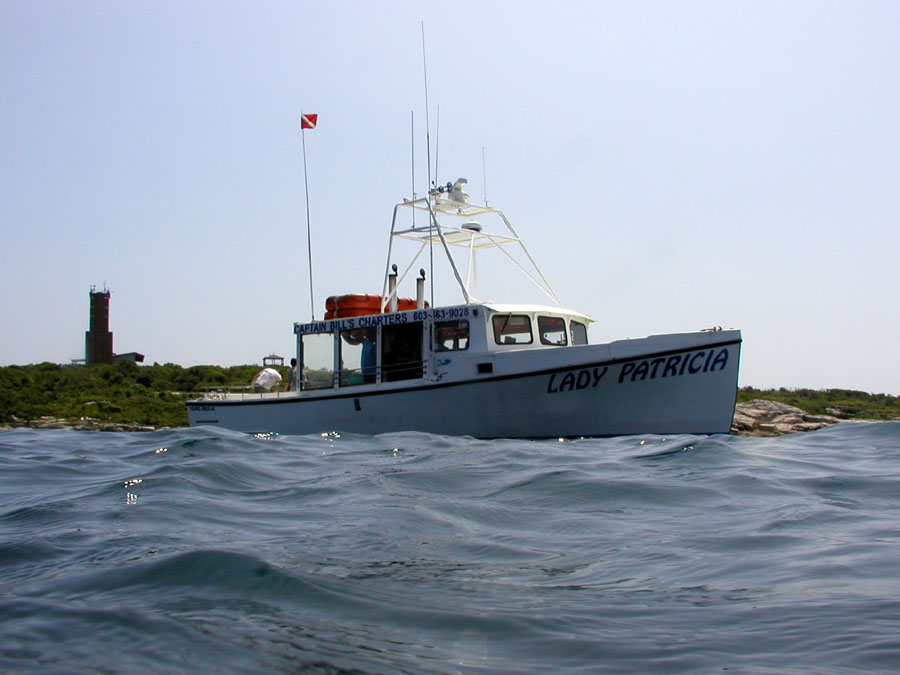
(671,166)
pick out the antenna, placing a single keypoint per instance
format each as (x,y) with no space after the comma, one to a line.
(412,150)
(484,175)
(428,151)
(427,126)
(437,141)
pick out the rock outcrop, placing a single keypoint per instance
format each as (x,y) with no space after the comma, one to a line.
(82,424)
(771,418)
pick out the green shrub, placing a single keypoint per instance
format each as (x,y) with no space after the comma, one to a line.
(151,395)
(846,403)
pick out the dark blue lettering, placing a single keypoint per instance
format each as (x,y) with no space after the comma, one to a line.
(550,389)
(722,357)
(584,379)
(704,360)
(698,355)
(642,369)
(708,359)
(580,379)
(671,364)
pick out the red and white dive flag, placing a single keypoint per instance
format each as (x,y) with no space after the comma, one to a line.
(308,121)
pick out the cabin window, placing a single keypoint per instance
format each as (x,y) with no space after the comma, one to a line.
(552,330)
(317,369)
(579,333)
(401,351)
(512,329)
(357,356)
(451,336)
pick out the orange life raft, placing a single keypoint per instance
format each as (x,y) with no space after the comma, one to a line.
(361,304)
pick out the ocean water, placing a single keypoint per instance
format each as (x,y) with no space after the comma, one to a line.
(202,550)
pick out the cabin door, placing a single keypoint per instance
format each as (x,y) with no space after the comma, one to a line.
(401,351)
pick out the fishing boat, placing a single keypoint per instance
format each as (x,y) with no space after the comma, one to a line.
(379,363)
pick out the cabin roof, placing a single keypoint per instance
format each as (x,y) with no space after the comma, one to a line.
(512,308)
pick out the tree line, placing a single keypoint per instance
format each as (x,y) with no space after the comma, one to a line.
(122,393)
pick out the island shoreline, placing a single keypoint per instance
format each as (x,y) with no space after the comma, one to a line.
(127,397)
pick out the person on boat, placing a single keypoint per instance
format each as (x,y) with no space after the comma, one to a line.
(291,384)
(367,359)
(266,380)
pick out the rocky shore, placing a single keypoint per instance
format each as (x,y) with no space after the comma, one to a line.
(758,417)
(82,424)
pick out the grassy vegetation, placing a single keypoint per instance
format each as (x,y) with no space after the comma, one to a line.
(149,395)
(844,403)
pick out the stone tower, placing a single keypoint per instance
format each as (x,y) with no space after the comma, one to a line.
(98,341)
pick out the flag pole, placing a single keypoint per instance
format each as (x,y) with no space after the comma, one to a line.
(303,125)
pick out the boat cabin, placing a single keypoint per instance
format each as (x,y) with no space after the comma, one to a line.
(430,344)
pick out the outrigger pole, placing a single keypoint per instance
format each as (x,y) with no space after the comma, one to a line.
(308,122)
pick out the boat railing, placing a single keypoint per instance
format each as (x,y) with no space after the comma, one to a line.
(240,392)
(352,377)
(349,377)
(406,370)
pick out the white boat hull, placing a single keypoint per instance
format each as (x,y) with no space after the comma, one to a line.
(669,384)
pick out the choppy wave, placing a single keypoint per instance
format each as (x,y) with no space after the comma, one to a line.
(206,549)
